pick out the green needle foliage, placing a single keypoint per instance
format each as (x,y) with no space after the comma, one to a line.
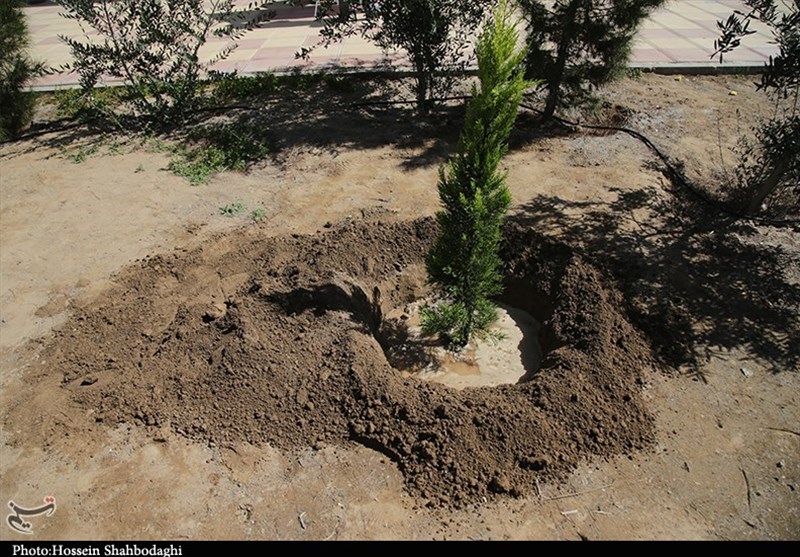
(577,45)
(16,104)
(464,263)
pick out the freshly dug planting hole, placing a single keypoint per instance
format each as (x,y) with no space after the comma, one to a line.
(503,357)
(276,340)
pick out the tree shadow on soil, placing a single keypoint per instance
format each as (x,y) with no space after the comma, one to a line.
(62,135)
(320,299)
(309,112)
(361,113)
(402,349)
(697,283)
(317,112)
(331,116)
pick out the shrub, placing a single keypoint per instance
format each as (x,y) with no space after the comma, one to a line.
(575,45)
(770,162)
(464,262)
(16,69)
(154,46)
(434,33)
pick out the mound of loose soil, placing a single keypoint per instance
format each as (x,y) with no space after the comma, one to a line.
(278,340)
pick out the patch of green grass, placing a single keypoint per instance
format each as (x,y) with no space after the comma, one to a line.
(238,87)
(633,73)
(233,209)
(139,168)
(82,152)
(197,165)
(258,214)
(156,145)
(115,147)
(242,87)
(68,102)
(103,144)
(300,81)
(76,104)
(217,148)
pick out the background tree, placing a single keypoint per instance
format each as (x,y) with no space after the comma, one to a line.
(16,69)
(464,262)
(154,46)
(435,34)
(771,160)
(577,44)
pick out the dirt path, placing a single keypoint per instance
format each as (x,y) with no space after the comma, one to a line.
(722,463)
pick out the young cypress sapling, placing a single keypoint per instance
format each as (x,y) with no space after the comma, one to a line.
(464,263)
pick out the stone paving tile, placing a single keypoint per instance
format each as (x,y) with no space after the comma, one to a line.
(644,56)
(682,32)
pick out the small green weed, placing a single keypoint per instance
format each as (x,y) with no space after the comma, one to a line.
(69,103)
(156,145)
(82,153)
(216,149)
(108,144)
(115,147)
(258,214)
(633,73)
(232,209)
(238,87)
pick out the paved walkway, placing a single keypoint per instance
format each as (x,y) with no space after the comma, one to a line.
(678,37)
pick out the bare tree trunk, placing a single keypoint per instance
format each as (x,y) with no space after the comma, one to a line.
(561,61)
(423,88)
(767,186)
